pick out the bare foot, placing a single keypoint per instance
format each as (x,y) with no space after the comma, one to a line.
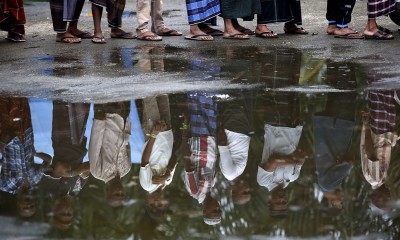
(67,38)
(149,36)
(264,31)
(331,28)
(195,31)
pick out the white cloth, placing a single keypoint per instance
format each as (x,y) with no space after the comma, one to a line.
(375,172)
(233,157)
(109,149)
(282,141)
(159,158)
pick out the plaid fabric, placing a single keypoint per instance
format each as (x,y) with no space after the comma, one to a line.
(382,110)
(201,180)
(377,8)
(12,16)
(203,115)
(15,116)
(201,10)
(18,164)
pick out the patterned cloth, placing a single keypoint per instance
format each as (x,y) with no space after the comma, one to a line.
(199,182)
(382,110)
(203,111)
(18,164)
(64,11)
(12,16)
(377,8)
(201,10)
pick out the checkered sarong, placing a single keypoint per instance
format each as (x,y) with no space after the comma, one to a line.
(201,10)
(377,8)
(381,106)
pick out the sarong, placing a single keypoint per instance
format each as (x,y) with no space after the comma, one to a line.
(377,8)
(12,16)
(280,11)
(114,8)
(201,10)
(63,11)
(232,9)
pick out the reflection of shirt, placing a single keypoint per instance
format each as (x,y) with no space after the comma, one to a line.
(233,157)
(158,161)
(109,150)
(18,164)
(281,141)
(199,182)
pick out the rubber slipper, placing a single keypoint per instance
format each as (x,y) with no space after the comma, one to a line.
(385,30)
(125,35)
(170,33)
(236,36)
(151,38)
(247,31)
(85,35)
(264,34)
(99,40)
(379,36)
(297,30)
(65,40)
(197,37)
(214,32)
(349,35)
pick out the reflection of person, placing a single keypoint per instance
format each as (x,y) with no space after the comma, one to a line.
(19,174)
(109,149)
(67,174)
(158,162)
(378,137)
(334,152)
(199,154)
(282,159)
(12,19)
(233,138)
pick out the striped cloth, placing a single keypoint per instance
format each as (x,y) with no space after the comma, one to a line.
(201,10)
(382,110)
(18,164)
(377,8)
(203,114)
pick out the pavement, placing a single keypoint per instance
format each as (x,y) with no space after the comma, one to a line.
(125,69)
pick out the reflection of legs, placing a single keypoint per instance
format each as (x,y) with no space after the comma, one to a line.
(151,114)
(163,106)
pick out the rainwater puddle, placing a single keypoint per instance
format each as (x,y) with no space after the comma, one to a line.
(221,164)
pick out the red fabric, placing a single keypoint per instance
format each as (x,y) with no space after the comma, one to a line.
(12,16)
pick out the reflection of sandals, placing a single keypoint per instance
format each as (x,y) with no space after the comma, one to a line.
(15,37)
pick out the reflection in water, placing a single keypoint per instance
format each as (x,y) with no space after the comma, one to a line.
(323,160)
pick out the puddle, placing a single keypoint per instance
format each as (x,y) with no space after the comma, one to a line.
(255,163)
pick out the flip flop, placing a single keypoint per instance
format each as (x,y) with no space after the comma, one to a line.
(379,36)
(65,40)
(15,37)
(385,30)
(85,35)
(169,33)
(197,37)
(235,36)
(99,40)
(349,36)
(125,35)
(149,38)
(263,34)
(247,31)
(214,32)
(297,30)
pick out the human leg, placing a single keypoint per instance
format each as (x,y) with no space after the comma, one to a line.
(73,24)
(59,25)
(97,11)
(231,33)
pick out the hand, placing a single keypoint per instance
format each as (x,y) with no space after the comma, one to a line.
(161,179)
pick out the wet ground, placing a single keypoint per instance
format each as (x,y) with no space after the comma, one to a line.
(302,99)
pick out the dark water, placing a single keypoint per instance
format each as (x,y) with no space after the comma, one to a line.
(279,157)
(324,194)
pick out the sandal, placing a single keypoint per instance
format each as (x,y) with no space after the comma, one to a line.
(385,30)
(84,35)
(379,36)
(152,38)
(99,40)
(267,34)
(124,35)
(15,37)
(69,39)
(199,37)
(296,30)
(169,33)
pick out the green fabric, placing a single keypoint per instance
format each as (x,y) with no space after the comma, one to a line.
(233,9)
